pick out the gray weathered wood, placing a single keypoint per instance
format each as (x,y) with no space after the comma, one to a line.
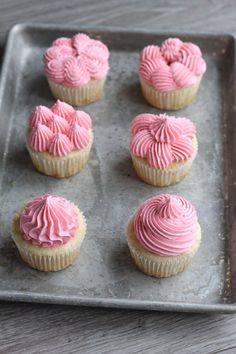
(31,328)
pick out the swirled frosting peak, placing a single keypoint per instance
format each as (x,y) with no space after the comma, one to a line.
(175,64)
(62,109)
(58,130)
(75,61)
(40,114)
(49,221)
(162,139)
(166,225)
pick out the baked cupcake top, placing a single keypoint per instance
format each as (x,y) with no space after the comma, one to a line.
(58,130)
(49,221)
(166,225)
(73,62)
(162,139)
(173,65)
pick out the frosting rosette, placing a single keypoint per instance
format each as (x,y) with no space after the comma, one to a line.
(166,225)
(59,130)
(49,221)
(173,65)
(162,139)
(73,62)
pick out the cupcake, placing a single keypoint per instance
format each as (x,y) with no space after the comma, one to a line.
(163,235)
(48,232)
(170,75)
(162,148)
(76,68)
(59,139)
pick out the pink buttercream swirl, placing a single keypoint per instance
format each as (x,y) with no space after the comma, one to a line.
(49,221)
(75,61)
(162,139)
(166,225)
(58,130)
(174,65)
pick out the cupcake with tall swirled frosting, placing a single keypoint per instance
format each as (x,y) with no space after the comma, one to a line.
(76,68)
(59,139)
(170,75)
(164,235)
(48,232)
(162,148)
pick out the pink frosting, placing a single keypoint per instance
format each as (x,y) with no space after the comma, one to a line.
(75,61)
(174,65)
(40,114)
(62,109)
(58,124)
(81,118)
(162,139)
(40,137)
(58,130)
(49,221)
(60,145)
(79,136)
(166,225)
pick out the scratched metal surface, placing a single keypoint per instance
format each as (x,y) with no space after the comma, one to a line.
(107,190)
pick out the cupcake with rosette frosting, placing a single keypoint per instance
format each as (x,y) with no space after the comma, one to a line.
(48,232)
(163,235)
(170,75)
(162,148)
(59,139)
(76,68)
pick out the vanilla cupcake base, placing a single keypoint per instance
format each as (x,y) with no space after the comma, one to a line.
(78,96)
(61,166)
(163,177)
(171,100)
(159,266)
(49,259)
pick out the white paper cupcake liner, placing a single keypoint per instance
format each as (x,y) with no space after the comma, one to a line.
(159,266)
(64,166)
(78,96)
(163,177)
(49,259)
(170,100)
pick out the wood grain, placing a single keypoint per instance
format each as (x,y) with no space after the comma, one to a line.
(32,328)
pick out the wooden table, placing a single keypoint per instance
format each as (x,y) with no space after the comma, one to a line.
(31,328)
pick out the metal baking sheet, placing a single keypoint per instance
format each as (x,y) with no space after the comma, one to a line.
(108,190)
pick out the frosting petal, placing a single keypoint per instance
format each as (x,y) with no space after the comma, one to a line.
(166,225)
(40,114)
(40,137)
(49,221)
(151,52)
(141,143)
(75,72)
(78,136)
(60,145)
(159,155)
(63,41)
(54,70)
(182,149)
(162,78)
(182,75)
(141,121)
(58,124)
(81,118)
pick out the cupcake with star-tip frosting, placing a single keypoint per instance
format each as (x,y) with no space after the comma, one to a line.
(59,139)
(170,75)
(164,235)
(76,68)
(162,148)
(48,232)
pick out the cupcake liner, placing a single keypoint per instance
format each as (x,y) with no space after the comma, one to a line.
(159,266)
(166,177)
(78,96)
(170,100)
(49,259)
(60,166)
